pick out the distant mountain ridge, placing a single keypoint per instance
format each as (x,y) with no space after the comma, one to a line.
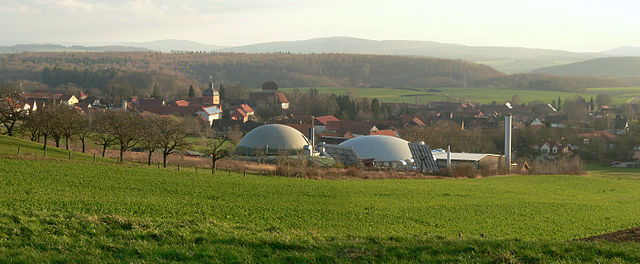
(60,48)
(171,45)
(507,59)
(623,51)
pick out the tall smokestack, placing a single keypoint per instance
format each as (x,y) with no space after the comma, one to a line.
(448,157)
(507,142)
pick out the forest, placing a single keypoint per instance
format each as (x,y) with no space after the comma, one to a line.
(113,74)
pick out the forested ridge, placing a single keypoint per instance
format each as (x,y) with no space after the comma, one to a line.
(140,73)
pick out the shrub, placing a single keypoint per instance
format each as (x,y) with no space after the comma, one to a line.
(464,170)
(569,166)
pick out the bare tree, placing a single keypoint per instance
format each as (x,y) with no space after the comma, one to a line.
(70,124)
(152,138)
(173,137)
(30,127)
(102,131)
(218,147)
(41,123)
(126,127)
(11,111)
(83,126)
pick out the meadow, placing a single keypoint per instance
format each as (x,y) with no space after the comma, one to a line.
(81,211)
(619,95)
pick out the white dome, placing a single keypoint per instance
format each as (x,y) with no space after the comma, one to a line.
(276,136)
(380,148)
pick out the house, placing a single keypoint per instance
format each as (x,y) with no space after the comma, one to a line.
(149,102)
(242,112)
(53,97)
(351,128)
(385,132)
(320,122)
(182,103)
(69,99)
(620,126)
(210,113)
(609,138)
(270,95)
(414,122)
(551,150)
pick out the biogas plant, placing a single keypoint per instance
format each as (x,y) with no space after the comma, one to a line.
(368,150)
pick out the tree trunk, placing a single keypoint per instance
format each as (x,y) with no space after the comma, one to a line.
(82,140)
(213,165)
(104,150)
(44,147)
(66,143)
(149,159)
(57,139)
(121,155)
(164,159)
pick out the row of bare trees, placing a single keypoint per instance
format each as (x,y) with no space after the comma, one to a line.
(105,128)
(120,128)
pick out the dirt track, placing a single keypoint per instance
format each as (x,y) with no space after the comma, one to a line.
(627,235)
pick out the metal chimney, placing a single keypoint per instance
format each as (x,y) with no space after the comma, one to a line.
(449,157)
(507,142)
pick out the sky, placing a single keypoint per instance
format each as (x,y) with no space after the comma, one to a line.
(559,24)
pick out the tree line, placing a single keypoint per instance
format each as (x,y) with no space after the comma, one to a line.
(139,73)
(105,128)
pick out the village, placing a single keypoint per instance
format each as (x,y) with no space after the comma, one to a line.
(457,132)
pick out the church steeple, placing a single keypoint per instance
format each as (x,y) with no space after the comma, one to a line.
(211,95)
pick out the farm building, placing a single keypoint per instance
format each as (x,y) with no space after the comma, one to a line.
(273,139)
(476,159)
(384,150)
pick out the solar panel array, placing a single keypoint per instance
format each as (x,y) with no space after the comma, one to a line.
(423,158)
(343,154)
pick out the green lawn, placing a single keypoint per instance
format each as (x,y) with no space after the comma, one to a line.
(61,211)
(482,95)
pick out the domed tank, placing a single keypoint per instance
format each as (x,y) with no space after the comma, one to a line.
(273,139)
(383,149)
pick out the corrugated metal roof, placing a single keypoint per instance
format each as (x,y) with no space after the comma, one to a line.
(212,110)
(461,156)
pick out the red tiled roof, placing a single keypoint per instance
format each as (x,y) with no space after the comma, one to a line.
(182,103)
(324,119)
(281,98)
(384,132)
(246,108)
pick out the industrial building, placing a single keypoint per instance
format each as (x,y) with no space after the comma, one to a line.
(476,159)
(273,139)
(385,151)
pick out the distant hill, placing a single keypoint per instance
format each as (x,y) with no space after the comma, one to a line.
(623,51)
(169,45)
(507,59)
(621,68)
(60,48)
(605,67)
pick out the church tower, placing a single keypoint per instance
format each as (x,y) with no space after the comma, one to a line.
(211,96)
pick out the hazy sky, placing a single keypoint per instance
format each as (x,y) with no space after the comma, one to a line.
(560,24)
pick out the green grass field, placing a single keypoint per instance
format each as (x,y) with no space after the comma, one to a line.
(78,211)
(483,95)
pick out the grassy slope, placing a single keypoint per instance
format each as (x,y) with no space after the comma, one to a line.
(482,95)
(52,210)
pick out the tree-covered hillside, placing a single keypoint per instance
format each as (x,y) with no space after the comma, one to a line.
(624,68)
(141,73)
